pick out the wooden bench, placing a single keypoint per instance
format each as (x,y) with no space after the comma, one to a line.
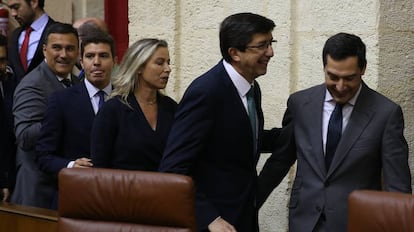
(19,218)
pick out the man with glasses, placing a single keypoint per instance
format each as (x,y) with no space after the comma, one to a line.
(218,128)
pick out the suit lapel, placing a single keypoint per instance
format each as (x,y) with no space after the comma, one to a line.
(360,117)
(315,108)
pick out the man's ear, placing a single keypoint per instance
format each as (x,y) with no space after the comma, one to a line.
(234,54)
(363,70)
(34,4)
(44,49)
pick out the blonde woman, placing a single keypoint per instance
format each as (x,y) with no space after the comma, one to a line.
(130,130)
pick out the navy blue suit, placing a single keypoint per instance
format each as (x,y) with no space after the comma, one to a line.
(122,138)
(65,133)
(212,141)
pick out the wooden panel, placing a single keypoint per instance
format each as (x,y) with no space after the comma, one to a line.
(17,218)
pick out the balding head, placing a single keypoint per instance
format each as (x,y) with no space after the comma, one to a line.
(91,20)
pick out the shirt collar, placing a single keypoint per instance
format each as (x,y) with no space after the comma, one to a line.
(92,90)
(67,77)
(242,85)
(40,22)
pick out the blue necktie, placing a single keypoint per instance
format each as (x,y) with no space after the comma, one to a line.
(334,134)
(101,95)
(251,107)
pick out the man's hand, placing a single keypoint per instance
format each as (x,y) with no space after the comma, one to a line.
(6,194)
(83,163)
(221,225)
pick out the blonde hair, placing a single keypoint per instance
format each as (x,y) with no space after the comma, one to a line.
(132,63)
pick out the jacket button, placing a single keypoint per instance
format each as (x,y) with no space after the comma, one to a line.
(318,208)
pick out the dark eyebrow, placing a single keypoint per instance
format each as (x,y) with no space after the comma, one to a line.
(331,74)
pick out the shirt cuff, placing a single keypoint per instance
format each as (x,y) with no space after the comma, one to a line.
(71,164)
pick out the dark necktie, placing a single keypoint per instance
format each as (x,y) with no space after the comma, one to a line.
(25,47)
(101,95)
(66,82)
(251,107)
(334,134)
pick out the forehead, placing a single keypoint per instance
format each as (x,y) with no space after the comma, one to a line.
(64,39)
(262,37)
(11,3)
(97,47)
(161,52)
(349,63)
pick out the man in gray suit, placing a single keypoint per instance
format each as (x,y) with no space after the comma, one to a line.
(344,136)
(61,49)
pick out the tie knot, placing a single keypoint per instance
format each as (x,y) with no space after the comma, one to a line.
(338,106)
(101,93)
(66,82)
(250,93)
(29,30)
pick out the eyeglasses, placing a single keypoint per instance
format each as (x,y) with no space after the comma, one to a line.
(262,46)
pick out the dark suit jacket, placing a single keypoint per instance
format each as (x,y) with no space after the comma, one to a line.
(33,187)
(7,139)
(212,140)
(372,148)
(14,55)
(66,127)
(122,137)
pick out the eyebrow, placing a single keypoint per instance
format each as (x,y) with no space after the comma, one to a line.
(332,74)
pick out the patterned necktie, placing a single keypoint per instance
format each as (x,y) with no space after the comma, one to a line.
(66,82)
(25,47)
(251,107)
(101,95)
(334,134)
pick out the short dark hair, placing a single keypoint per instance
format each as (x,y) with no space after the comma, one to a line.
(98,37)
(237,31)
(60,28)
(344,45)
(41,3)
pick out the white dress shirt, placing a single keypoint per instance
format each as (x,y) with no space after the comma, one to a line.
(329,106)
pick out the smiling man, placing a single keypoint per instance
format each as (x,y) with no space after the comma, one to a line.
(65,142)
(344,136)
(61,49)
(218,129)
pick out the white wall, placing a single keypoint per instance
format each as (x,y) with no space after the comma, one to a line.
(191,28)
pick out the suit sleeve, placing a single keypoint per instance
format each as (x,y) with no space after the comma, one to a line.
(51,138)
(187,139)
(28,110)
(396,171)
(103,135)
(282,158)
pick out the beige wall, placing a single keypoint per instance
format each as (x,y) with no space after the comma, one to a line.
(191,28)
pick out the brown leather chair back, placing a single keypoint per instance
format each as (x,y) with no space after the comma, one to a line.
(380,211)
(118,200)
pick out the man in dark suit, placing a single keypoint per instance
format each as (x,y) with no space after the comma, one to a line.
(7,147)
(217,132)
(65,142)
(29,13)
(60,48)
(370,151)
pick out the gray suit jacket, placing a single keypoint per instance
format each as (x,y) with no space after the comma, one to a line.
(372,154)
(33,187)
